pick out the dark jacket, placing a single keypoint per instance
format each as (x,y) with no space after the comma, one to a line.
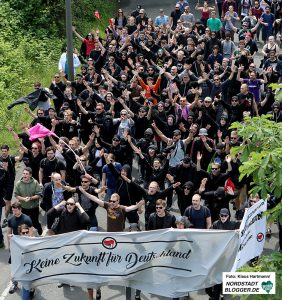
(68,222)
(48,191)
(228,225)
(168,221)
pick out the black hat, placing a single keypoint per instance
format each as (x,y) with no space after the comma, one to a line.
(186,159)
(224,211)
(116,137)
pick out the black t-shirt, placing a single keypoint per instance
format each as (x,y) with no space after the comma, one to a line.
(34,163)
(246,101)
(159,222)
(197,217)
(50,166)
(11,166)
(14,222)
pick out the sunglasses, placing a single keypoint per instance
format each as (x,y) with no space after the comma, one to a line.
(159,207)
(84,181)
(233,138)
(70,204)
(214,168)
(186,188)
(223,216)
(112,201)
(25,232)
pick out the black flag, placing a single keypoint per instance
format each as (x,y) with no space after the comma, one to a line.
(33,98)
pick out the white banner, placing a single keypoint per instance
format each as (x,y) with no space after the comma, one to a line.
(252,234)
(167,262)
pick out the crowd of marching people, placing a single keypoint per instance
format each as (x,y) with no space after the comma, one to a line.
(154,96)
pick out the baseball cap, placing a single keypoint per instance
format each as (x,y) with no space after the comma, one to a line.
(224,211)
(203,131)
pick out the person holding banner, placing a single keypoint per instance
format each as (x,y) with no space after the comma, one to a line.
(26,230)
(16,220)
(161,219)
(223,223)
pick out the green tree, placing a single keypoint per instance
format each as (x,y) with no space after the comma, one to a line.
(261,156)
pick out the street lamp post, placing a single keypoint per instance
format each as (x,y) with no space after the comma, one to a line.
(69,40)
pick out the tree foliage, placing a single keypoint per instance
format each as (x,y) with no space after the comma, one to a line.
(32,36)
(261,154)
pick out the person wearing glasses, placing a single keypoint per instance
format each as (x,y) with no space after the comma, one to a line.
(223,223)
(71,216)
(160,219)
(14,222)
(88,205)
(115,211)
(26,230)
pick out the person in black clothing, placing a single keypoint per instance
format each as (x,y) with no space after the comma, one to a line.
(175,16)
(58,87)
(116,148)
(53,192)
(34,156)
(88,205)
(214,179)
(71,216)
(127,191)
(223,223)
(49,165)
(156,170)
(184,195)
(161,219)
(152,195)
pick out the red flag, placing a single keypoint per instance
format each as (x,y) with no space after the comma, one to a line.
(111,22)
(97,15)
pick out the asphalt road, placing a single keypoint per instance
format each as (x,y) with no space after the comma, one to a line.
(110,292)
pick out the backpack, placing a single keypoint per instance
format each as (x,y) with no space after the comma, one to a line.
(188,215)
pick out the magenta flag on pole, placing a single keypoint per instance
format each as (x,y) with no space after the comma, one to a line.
(39,131)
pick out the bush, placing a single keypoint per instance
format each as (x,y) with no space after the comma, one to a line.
(32,36)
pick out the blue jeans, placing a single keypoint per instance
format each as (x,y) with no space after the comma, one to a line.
(25,294)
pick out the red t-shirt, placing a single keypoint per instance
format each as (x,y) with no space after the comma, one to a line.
(90,45)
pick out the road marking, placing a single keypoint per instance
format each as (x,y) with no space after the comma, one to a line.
(6,291)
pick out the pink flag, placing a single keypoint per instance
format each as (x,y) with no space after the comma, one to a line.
(97,15)
(39,131)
